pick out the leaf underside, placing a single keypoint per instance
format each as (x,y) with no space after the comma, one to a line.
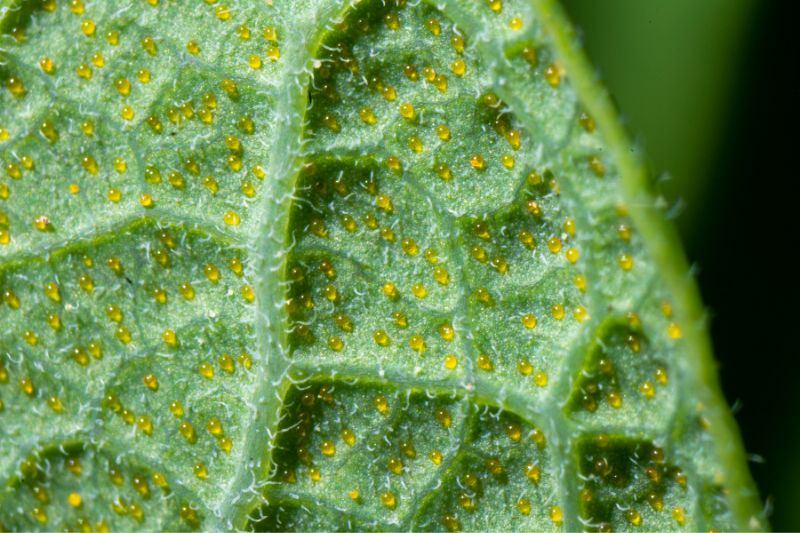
(320,265)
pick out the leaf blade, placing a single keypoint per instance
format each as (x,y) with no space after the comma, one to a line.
(521,159)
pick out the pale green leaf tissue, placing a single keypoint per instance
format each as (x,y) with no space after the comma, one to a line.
(325,265)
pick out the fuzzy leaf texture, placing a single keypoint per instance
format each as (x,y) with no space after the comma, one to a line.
(326,265)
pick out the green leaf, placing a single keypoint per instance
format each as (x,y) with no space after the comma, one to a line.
(315,265)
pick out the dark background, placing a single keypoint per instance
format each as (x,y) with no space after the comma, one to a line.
(704,86)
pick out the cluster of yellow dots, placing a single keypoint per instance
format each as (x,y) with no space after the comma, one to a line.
(395,92)
(203,109)
(318,436)
(115,314)
(346,437)
(402,107)
(470,486)
(600,380)
(93,277)
(553,72)
(399,328)
(610,469)
(214,427)
(45,477)
(305,288)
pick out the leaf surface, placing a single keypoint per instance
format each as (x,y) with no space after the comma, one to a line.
(317,265)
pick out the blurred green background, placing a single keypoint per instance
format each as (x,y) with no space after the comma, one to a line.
(697,82)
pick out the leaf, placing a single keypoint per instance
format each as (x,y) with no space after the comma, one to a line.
(314,265)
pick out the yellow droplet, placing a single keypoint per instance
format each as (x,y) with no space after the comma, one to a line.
(394,163)
(84,71)
(16,87)
(151,382)
(98,60)
(52,291)
(433,26)
(74,499)
(211,272)
(525,367)
(55,404)
(88,27)
(248,293)
(335,343)
(54,321)
(145,424)
(634,517)
(615,399)
(597,166)
(395,466)
(149,46)
(407,111)
(419,290)
(580,313)
(573,255)
(11,299)
(143,75)
(679,515)
(226,363)
(114,313)
(382,404)
(231,218)
(146,200)
(271,34)
(273,53)
(533,473)
(381,338)
(176,408)
(206,370)
(123,335)
(484,296)
(187,430)
(348,437)
(47,65)
(214,426)
(417,343)
(90,164)
(389,500)
(367,116)
(556,515)
(553,75)
(529,321)
(477,162)
(200,471)
(328,448)
(626,262)
(457,42)
(392,21)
